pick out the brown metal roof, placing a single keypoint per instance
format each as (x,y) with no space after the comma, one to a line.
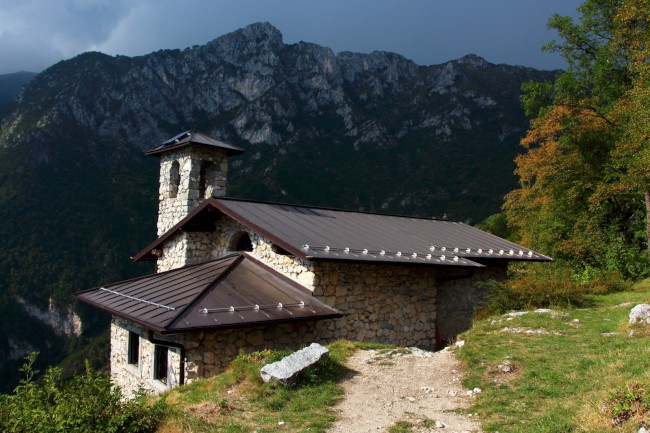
(328,234)
(194,137)
(233,291)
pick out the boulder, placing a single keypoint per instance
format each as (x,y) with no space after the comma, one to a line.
(640,314)
(288,367)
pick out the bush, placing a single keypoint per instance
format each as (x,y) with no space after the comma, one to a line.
(86,403)
(631,402)
(497,224)
(546,285)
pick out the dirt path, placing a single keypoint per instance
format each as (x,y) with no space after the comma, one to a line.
(384,389)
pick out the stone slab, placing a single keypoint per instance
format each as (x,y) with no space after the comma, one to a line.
(288,367)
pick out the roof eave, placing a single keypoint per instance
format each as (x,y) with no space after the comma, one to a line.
(471,264)
(157,151)
(135,320)
(253,324)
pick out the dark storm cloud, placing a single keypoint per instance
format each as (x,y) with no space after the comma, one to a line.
(36,33)
(39,32)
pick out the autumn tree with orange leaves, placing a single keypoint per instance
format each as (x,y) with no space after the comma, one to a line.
(584,193)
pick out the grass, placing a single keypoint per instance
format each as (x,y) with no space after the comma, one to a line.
(417,426)
(580,372)
(237,401)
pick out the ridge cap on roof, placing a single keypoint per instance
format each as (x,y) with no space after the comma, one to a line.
(236,261)
(193,265)
(243,200)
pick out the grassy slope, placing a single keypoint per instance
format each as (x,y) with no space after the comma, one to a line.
(561,379)
(238,400)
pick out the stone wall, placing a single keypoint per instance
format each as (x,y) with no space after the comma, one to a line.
(206,353)
(190,167)
(187,248)
(382,303)
(402,305)
(389,304)
(460,291)
(132,378)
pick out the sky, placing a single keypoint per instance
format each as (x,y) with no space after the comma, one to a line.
(35,34)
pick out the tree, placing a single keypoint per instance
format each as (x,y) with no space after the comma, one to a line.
(586,167)
(632,155)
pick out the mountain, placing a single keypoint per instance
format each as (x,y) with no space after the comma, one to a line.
(373,132)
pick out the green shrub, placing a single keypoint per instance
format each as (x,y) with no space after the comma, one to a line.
(497,224)
(86,403)
(546,285)
(631,402)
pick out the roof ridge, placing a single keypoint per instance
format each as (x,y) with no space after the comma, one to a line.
(208,286)
(243,200)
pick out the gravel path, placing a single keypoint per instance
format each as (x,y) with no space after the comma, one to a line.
(384,389)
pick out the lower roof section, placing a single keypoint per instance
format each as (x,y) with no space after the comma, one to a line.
(234,291)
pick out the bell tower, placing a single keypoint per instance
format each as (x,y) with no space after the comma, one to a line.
(193,166)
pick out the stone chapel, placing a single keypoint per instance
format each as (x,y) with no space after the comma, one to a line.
(246,275)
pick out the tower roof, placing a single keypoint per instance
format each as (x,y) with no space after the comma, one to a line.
(194,137)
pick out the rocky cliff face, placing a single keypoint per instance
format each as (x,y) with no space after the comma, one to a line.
(63,320)
(373,132)
(423,125)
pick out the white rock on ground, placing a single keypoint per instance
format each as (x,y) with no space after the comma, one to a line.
(640,313)
(288,367)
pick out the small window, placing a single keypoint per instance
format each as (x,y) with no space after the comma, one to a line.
(160,363)
(134,348)
(242,242)
(174,179)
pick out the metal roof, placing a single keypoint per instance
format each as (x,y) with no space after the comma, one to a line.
(194,137)
(313,233)
(234,291)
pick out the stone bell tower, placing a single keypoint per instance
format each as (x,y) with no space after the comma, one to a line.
(193,166)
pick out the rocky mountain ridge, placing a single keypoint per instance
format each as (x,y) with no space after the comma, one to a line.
(250,88)
(372,132)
